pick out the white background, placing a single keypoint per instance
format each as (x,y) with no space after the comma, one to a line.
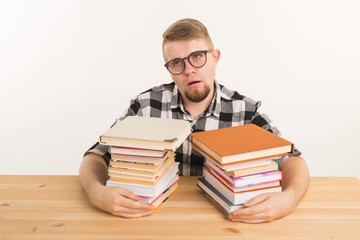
(69,68)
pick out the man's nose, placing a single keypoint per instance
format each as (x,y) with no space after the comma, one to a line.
(189,69)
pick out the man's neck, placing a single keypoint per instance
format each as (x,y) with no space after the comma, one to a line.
(197,108)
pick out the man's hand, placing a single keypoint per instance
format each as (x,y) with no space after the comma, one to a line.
(120,202)
(265,208)
(115,200)
(270,206)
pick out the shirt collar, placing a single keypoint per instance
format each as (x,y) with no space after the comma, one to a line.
(214,107)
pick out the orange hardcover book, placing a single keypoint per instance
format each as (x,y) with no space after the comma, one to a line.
(241,143)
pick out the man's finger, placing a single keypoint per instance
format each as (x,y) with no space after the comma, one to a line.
(257,220)
(256,200)
(128,203)
(135,215)
(255,209)
(126,193)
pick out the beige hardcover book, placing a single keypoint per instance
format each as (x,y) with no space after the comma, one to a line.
(146,132)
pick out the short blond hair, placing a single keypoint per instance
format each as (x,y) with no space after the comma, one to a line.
(186,29)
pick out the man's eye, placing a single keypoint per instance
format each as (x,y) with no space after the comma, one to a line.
(197,55)
(176,62)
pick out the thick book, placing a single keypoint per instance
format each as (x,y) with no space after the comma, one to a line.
(217,197)
(241,143)
(240,196)
(148,133)
(151,200)
(146,190)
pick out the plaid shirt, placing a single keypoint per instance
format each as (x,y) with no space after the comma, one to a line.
(228,108)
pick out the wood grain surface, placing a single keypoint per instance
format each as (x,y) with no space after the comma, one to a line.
(55,207)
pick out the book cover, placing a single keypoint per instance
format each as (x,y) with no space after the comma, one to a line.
(241,143)
(148,133)
(147,190)
(235,165)
(216,196)
(164,197)
(151,200)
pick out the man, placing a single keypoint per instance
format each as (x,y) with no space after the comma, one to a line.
(194,95)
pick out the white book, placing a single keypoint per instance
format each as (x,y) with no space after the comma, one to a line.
(169,189)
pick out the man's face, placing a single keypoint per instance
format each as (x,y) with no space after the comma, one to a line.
(195,84)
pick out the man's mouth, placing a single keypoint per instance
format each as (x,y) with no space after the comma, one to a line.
(193,82)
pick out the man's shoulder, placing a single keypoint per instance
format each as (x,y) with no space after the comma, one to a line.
(229,95)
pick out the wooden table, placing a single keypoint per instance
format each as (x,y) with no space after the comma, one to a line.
(55,207)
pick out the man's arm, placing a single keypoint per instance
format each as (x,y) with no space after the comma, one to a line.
(270,206)
(116,200)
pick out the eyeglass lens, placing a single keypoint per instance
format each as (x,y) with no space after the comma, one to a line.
(196,59)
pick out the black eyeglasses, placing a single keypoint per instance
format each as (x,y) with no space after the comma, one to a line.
(197,59)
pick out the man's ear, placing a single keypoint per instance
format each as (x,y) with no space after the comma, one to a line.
(216,55)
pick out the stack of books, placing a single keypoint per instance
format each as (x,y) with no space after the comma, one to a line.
(143,156)
(240,163)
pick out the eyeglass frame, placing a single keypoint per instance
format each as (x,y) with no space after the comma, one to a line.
(188,58)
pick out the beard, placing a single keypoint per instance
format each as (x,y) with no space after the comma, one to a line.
(198,95)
